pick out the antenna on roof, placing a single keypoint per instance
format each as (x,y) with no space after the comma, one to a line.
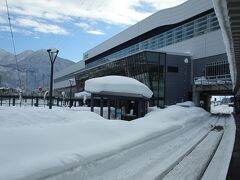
(13,42)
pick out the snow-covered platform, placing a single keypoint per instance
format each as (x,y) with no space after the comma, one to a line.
(74,144)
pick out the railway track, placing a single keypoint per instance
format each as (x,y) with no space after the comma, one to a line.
(153,158)
(194,164)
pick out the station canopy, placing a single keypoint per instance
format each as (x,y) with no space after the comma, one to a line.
(118,86)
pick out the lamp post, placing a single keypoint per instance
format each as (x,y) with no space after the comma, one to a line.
(52,56)
(71,83)
(186,61)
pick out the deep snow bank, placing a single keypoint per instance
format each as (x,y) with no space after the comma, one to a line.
(37,142)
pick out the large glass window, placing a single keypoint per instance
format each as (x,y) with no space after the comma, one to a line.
(183,32)
(147,67)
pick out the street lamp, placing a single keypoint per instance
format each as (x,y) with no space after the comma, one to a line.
(186,61)
(71,83)
(52,56)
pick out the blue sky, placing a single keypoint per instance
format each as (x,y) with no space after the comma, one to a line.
(72,26)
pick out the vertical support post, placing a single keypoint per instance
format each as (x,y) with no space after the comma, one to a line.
(13,101)
(1,100)
(9,100)
(92,103)
(36,101)
(70,101)
(57,101)
(116,108)
(32,100)
(101,106)
(109,109)
(139,108)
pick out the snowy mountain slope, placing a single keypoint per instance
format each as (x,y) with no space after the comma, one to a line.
(34,68)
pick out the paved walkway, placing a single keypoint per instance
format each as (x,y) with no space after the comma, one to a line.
(234,169)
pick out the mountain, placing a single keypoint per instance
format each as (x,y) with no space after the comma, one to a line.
(24,55)
(33,66)
(5,57)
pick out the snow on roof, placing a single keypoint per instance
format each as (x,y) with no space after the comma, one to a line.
(82,94)
(118,85)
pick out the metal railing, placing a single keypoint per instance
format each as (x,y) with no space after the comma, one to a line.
(13,100)
(213,80)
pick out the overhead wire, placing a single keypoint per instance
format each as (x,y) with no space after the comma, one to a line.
(75,28)
(13,43)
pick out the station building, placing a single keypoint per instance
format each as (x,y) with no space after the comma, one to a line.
(166,51)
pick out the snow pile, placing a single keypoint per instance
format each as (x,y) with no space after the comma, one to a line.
(186,104)
(82,95)
(37,143)
(117,84)
(97,111)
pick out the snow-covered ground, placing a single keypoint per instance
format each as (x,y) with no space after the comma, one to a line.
(223,109)
(63,143)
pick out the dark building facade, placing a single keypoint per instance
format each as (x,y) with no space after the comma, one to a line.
(154,51)
(161,72)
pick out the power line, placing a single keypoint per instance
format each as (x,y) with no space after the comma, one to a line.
(13,42)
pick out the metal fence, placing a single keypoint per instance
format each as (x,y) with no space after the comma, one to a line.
(37,101)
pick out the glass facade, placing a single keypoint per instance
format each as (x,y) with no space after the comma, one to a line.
(194,28)
(147,67)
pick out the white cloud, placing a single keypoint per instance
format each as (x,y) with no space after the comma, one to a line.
(4,28)
(124,12)
(89,28)
(3,20)
(96,32)
(83,25)
(40,27)
(111,11)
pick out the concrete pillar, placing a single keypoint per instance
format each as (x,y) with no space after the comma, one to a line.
(206,98)
(208,103)
(196,98)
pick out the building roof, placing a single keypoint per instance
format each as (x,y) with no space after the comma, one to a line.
(163,17)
